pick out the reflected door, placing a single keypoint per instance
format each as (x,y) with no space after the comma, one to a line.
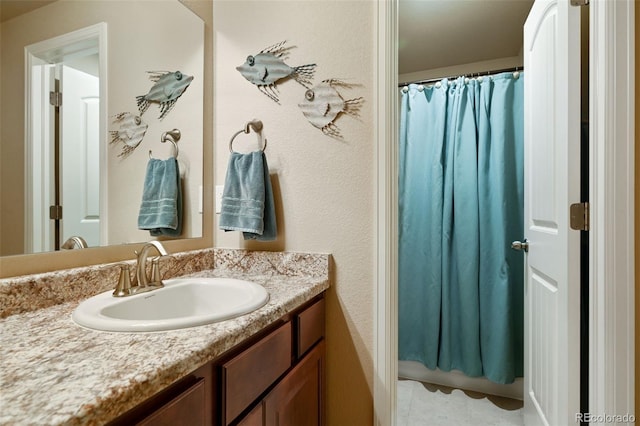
(64,143)
(80,156)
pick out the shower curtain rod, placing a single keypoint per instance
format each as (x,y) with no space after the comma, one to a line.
(471,75)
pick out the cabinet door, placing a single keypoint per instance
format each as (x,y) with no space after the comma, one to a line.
(299,397)
(254,418)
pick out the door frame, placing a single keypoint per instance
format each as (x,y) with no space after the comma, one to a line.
(611,175)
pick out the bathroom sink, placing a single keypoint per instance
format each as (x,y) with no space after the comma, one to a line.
(181,303)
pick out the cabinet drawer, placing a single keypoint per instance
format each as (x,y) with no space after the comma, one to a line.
(186,408)
(250,373)
(310,327)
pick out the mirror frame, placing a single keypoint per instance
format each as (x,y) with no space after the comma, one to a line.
(26,264)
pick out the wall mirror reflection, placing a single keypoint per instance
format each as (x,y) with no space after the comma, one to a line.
(67,69)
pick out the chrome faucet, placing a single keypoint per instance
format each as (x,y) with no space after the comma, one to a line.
(141,282)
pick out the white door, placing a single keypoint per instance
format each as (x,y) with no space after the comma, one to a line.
(552,179)
(80,156)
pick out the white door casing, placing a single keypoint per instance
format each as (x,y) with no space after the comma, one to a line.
(552,183)
(612,144)
(39,182)
(385,358)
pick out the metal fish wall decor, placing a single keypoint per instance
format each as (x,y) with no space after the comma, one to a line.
(268,67)
(131,132)
(323,104)
(168,87)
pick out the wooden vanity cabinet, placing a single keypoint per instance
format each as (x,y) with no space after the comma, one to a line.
(297,398)
(275,378)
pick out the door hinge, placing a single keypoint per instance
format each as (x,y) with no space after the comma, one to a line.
(55,212)
(55,99)
(579,2)
(579,216)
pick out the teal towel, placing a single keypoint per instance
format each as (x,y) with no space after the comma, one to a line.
(161,207)
(247,198)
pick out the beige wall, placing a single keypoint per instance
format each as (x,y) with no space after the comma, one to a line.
(325,189)
(132,50)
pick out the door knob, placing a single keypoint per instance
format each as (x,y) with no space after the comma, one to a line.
(517,245)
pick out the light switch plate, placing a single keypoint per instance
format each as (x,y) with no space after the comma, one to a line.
(219,190)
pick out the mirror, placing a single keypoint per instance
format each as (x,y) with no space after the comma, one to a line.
(114,45)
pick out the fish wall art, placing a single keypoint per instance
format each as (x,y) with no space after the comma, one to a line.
(131,131)
(267,68)
(168,87)
(323,104)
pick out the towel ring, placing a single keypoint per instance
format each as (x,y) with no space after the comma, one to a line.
(172,136)
(256,125)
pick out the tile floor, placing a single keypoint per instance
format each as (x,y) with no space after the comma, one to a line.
(423,404)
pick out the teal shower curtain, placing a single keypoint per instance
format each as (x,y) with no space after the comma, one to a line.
(461,288)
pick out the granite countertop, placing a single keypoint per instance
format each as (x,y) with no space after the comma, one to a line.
(55,372)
